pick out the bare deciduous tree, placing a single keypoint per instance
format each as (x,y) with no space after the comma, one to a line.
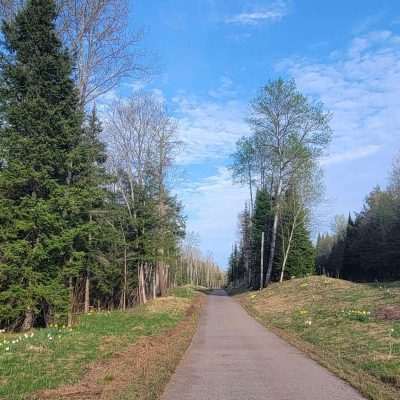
(142,144)
(97,34)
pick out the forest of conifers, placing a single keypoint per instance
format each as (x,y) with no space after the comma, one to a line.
(279,163)
(83,224)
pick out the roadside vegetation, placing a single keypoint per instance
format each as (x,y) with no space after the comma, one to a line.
(56,356)
(347,327)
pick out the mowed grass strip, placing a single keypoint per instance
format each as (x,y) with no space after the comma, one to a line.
(335,322)
(48,358)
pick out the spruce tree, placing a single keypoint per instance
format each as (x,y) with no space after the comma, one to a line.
(43,207)
(301,258)
(261,222)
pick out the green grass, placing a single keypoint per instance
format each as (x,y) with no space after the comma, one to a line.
(48,358)
(335,321)
(185,292)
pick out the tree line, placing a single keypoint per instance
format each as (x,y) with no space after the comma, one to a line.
(83,224)
(365,247)
(279,164)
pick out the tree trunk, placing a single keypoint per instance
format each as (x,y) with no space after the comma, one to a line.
(71,301)
(142,286)
(288,249)
(125,289)
(251,192)
(274,234)
(87,282)
(272,249)
(262,262)
(87,292)
(162,279)
(157,280)
(28,321)
(154,280)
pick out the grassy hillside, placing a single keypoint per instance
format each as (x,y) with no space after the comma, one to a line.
(335,321)
(53,357)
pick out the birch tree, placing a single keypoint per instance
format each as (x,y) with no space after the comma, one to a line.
(290,130)
(302,195)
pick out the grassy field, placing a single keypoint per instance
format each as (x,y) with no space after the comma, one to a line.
(335,322)
(49,358)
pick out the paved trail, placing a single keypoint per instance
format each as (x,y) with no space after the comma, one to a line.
(233,357)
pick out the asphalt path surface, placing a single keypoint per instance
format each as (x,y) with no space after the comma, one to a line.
(233,357)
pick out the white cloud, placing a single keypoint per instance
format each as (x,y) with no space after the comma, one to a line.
(214,204)
(274,13)
(350,155)
(361,87)
(208,128)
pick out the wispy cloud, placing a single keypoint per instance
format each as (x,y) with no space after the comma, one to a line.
(214,203)
(360,85)
(275,12)
(209,128)
(225,89)
(350,155)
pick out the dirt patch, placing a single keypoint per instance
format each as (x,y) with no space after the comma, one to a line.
(139,372)
(390,313)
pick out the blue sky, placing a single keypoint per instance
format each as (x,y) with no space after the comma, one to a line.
(213,55)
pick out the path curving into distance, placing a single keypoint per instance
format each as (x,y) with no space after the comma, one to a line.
(233,357)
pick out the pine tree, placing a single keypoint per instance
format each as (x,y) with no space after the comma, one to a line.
(44,168)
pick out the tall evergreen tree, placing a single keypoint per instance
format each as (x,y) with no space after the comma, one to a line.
(44,191)
(261,222)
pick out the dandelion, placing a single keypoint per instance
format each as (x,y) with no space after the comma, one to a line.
(7,349)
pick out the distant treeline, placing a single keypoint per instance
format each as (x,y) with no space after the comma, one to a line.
(366,247)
